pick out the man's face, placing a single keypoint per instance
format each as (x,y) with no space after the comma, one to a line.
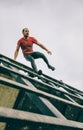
(26,32)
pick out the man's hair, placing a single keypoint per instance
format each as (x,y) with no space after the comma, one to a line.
(24,29)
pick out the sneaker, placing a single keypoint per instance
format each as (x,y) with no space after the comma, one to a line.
(52,68)
(40,72)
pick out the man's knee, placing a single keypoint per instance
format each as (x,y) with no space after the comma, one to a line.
(32,59)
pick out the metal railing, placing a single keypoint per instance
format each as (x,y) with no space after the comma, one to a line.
(42,102)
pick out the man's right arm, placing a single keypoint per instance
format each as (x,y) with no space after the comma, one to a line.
(16,52)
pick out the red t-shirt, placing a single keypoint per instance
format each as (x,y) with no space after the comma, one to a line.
(27,44)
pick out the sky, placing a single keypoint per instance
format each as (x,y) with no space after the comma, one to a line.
(57,24)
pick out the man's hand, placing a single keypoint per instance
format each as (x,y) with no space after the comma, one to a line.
(49,52)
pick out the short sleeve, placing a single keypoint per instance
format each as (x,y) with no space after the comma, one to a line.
(34,40)
(18,43)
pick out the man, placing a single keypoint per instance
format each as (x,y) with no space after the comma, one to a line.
(26,44)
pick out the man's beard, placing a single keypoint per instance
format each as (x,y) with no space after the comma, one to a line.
(26,36)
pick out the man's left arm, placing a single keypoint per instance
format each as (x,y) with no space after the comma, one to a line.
(43,47)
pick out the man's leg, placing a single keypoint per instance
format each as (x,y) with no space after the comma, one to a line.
(37,55)
(28,57)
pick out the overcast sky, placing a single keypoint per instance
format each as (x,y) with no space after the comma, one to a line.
(58,24)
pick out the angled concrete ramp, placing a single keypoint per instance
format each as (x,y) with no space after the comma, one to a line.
(36,103)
